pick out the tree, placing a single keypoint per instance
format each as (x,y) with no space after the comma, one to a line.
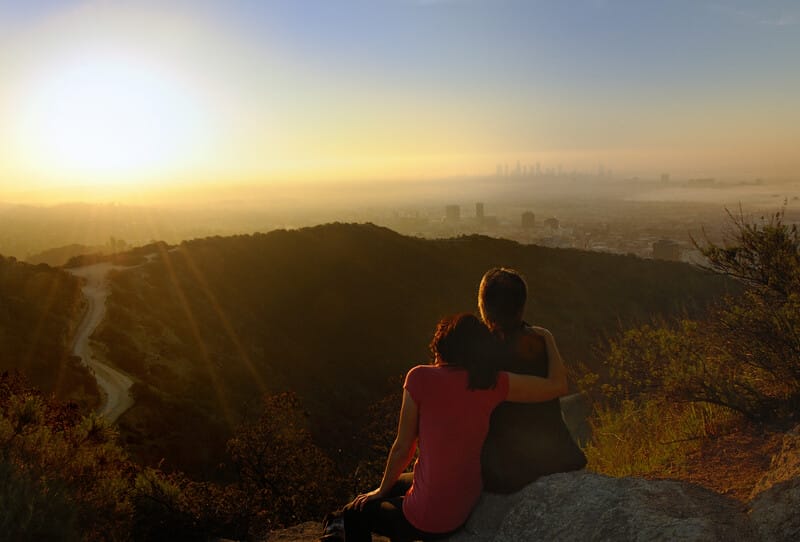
(763,255)
(756,336)
(745,354)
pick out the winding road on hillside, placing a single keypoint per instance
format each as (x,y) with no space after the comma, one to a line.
(114,384)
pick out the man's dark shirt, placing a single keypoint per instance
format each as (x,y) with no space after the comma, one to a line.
(526,441)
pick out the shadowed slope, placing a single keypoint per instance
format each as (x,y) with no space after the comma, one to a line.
(331,312)
(39,309)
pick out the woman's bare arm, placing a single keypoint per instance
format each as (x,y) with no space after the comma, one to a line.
(405,444)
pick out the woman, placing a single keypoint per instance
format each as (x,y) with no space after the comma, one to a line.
(524,441)
(445,413)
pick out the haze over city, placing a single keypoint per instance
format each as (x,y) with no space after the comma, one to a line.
(164,102)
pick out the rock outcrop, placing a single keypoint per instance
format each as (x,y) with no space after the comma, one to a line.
(593,507)
(586,506)
(775,513)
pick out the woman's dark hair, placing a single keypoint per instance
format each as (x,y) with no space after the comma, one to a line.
(464,341)
(501,300)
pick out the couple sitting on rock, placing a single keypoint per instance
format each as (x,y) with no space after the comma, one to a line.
(485,415)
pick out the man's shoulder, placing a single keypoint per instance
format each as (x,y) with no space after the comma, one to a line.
(528,354)
(531,338)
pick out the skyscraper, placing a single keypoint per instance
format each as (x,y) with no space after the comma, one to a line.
(528,220)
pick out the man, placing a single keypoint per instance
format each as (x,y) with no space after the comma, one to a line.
(525,441)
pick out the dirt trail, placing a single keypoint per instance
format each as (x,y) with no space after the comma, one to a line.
(114,384)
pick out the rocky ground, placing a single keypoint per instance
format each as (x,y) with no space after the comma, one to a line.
(740,486)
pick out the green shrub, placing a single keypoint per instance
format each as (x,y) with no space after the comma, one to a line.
(33,510)
(174,508)
(67,467)
(286,477)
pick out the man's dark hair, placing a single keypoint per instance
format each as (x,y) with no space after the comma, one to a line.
(501,299)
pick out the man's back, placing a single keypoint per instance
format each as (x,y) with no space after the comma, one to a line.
(526,441)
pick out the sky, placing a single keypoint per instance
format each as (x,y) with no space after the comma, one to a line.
(120,95)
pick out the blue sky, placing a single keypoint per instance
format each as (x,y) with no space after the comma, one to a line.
(356,88)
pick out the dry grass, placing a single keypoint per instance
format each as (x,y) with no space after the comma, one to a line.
(703,444)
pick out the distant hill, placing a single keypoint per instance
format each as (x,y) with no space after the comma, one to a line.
(75,255)
(39,309)
(332,312)
(58,256)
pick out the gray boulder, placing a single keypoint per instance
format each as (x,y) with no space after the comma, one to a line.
(592,507)
(586,506)
(576,409)
(775,513)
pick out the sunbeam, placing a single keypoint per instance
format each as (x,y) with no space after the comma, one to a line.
(224,320)
(209,365)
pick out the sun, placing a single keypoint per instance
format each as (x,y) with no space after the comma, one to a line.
(108,119)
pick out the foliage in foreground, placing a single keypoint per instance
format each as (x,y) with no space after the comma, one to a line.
(672,384)
(63,476)
(282,478)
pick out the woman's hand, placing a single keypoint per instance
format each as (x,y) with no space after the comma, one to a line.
(364,498)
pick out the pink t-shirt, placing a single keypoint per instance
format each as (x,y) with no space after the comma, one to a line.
(453,422)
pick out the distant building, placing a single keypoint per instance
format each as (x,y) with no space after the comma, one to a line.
(665,249)
(452,213)
(551,223)
(479,216)
(528,220)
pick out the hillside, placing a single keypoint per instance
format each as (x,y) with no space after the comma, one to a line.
(39,309)
(331,312)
